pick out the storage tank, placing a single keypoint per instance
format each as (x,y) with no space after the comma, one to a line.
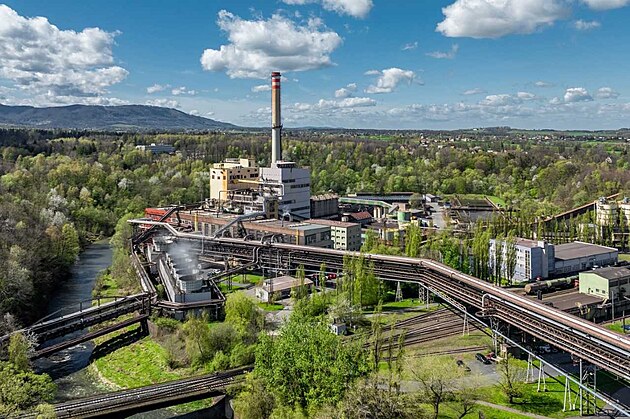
(606,212)
(624,207)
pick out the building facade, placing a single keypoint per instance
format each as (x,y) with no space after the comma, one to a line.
(232,175)
(608,283)
(345,236)
(292,185)
(541,260)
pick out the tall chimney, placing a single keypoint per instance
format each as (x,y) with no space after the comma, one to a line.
(276,121)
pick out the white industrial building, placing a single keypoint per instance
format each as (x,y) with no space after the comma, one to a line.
(539,259)
(292,185)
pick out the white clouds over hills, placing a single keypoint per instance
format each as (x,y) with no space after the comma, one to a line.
(259,46)
(43,60)
(355,8)
(347,91)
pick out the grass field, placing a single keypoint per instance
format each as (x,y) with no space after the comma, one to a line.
(140,364)
(271,307)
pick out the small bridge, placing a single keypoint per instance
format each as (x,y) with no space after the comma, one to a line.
(64,325)
(142,399)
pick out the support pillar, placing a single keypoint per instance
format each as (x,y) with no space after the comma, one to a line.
(529,376)
(542,382)
(568,404)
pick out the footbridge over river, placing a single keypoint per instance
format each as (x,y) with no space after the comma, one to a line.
(480,301)
(86,315)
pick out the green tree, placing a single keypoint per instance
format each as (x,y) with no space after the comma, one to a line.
(512,378)
(307,365)
(19,348)
(255,401)
(438,381)
(22,390)
(243,313)
(69,248)
(510,256)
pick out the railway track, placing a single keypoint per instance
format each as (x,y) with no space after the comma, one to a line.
(143,397)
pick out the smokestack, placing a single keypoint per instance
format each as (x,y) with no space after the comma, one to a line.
(276,121)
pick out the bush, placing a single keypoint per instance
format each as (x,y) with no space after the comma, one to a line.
(220,362)
(242,355)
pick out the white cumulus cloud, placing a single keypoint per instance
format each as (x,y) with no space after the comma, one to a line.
(606,93)
(261,88)
(347,91)
(577,94)
(541,83)
(525,95)
(389,79)
(497,18)
(475,91)
(182,90)
(606,4)
(449,55)
(355,8)
(157,88)
(41,59)
(585,25)
(260,46)
(164,103)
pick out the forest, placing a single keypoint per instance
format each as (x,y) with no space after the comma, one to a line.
(60,190)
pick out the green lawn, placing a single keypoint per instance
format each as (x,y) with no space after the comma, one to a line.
(497,201)
(271,307)
(624,256)
(617,326)
(540,403)
(141,363)
(397,305)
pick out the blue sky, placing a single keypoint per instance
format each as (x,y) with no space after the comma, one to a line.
(407,64)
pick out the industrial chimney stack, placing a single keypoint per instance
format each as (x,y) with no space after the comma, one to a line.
(276,121)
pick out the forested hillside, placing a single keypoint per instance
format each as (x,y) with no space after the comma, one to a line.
(58,191)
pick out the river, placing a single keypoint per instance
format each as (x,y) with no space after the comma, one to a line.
(68,367)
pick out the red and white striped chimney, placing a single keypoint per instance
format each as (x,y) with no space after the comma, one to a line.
(276,121)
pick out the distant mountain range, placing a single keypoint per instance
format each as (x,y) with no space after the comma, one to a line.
(107,118)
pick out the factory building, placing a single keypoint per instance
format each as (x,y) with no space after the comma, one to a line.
(575,257)
(345,236)
(538,259)
(232,175)
(611,283)
(292,185)
(208,222)
(281,287)
(534,259)
(157,148)
(324,206)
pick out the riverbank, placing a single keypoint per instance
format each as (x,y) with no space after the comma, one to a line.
(68,367)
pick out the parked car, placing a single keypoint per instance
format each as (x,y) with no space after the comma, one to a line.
(481,358)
